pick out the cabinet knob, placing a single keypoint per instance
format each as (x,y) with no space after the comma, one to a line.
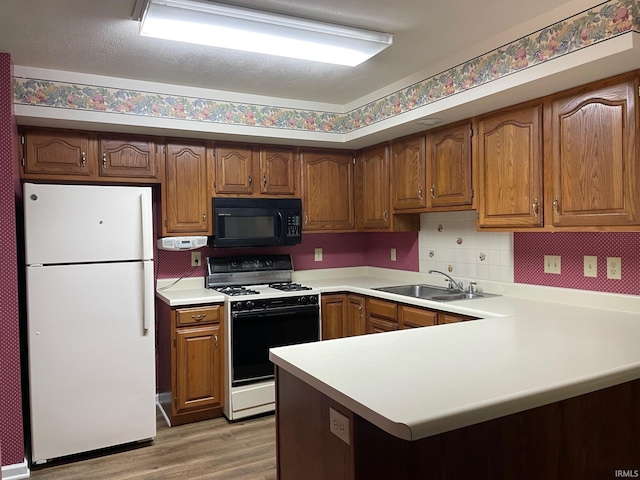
(555,206)
(384,215)
(215,337)
(197,318)
(420,193)
(250,180)
(306,218)
(84,159)
(535,208)
(360,310)
(204,216)
(264,181)
(104,159)
(433,191)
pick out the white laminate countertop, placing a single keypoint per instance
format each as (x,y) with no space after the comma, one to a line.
(188,291)
(534,346)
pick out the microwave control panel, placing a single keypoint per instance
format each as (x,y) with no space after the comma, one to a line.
(293,225)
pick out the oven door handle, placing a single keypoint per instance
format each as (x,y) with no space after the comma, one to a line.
(274,311)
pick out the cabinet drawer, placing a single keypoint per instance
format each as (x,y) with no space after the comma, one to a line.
(380,308)
(199,315)
(379,325)
(410,317)
(447,317)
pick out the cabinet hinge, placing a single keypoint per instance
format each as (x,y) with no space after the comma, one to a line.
(22,139)
(214,184)
(472,193)
(354,160)
(471,132)
(157,169)
(22,162)
(165,223)
(175,342)
(175,401)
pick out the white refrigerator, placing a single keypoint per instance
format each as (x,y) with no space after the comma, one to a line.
(90,317)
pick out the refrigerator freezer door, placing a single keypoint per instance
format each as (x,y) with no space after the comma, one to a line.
(92,362)
(85,223)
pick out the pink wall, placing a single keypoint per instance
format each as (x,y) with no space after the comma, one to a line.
(11,434)
(338,250)
(529,250)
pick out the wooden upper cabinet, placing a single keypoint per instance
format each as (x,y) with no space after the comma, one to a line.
(235,166)
(449,166)
(186,201)
(408,176)
(510,168)
(593,158)
(58,152)
(373,197)
(327,186)
(126,157)
(277,171)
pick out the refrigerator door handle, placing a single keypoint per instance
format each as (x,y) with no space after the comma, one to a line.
(147,241)
(148,294)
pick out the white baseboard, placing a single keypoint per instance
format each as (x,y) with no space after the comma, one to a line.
(16,471)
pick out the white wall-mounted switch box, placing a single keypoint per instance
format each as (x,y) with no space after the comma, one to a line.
(393,254)
(318,254)
(590,266)
(552,264)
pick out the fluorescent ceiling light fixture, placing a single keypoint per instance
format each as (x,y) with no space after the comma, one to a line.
(226,26)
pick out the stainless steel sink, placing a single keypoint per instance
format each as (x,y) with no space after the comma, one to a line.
(418,291)
(436,294)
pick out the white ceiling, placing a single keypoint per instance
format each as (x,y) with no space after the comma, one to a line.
(100,37)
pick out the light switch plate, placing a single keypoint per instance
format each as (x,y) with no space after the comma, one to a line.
(318,254)
(614,268)
(393,254)
(590,266)
(552,264)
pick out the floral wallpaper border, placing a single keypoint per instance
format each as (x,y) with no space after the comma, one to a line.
(598,24)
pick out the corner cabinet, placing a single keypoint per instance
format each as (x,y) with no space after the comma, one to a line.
(449,167)
(191,362)
(593,171)
(343,315)
(186,202)
(510,168)
(328,190)
(408,173)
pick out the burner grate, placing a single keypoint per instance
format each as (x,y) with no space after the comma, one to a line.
(289,287)
(234,290)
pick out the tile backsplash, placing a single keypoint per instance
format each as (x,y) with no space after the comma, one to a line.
(449,242)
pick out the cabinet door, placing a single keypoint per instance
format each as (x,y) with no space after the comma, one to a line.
(408,174)
(372,189)
(327,185)
(121,157)
(510,168)
(198,368)
(379,325)
(277,171)
(448,317)
(187,203)
(382,315)
(594,164)
(412,317)
(449,164)
(356,318)
(334,316)
(234,170)
(58,152)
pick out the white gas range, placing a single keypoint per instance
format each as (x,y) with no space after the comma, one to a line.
(264,309)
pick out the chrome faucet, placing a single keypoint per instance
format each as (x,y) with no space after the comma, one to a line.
(452,283)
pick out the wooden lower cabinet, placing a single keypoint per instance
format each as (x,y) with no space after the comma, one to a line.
(191,362)
(343,315)
(382,316)
(413,317)
(448,317)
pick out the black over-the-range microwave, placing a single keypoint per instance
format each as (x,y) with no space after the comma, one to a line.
(256,222)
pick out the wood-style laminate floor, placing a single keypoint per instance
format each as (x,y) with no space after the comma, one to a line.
(211,449)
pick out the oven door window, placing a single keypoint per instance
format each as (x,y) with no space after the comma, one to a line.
(254,333)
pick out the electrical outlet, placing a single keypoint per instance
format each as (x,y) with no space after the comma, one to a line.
(339,426)
(614,268)
(552,264)
(393,254)
(318,253)
(196,259)
(590,266)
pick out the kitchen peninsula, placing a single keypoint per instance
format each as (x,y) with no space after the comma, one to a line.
(535,390)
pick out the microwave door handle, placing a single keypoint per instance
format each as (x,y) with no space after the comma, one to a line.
(282,232)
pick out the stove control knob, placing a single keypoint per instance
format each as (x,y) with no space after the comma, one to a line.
(250,304)
(303,299)
(238,305)
(313,299)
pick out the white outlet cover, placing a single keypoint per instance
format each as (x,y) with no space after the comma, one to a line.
(614,268)
(339,426)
